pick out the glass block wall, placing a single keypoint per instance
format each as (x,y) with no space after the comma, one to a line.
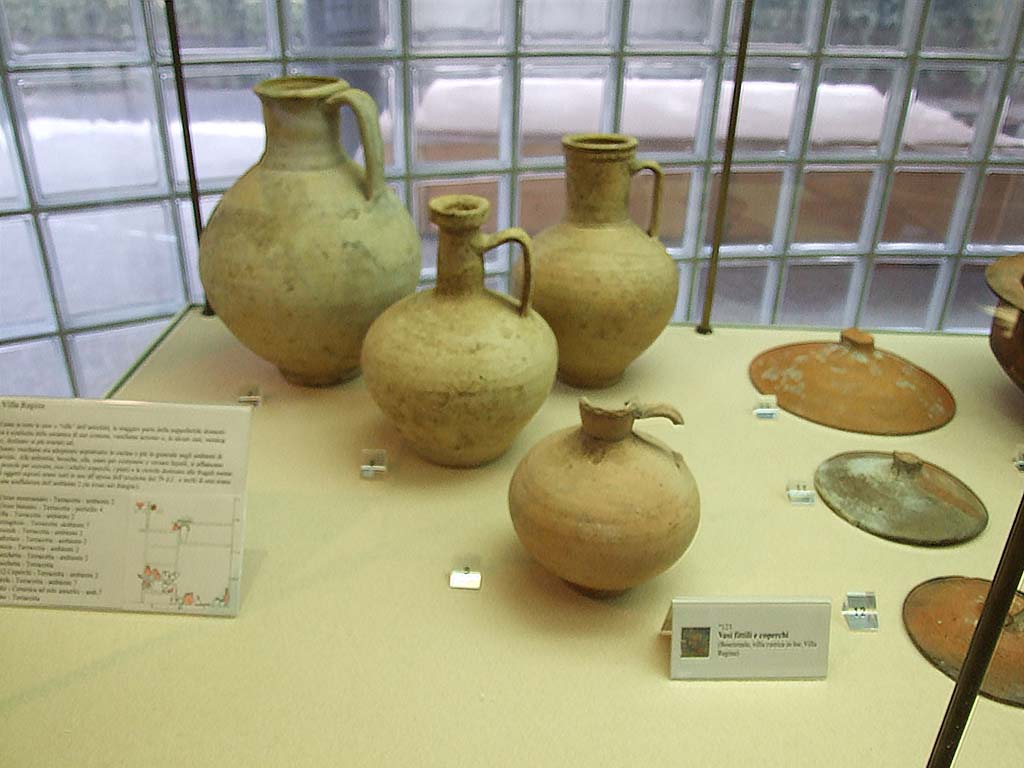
(879,157)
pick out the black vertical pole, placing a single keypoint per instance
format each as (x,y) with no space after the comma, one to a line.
(983,645)
(730,145)
(186,134)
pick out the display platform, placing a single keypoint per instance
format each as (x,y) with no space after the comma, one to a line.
(351,649)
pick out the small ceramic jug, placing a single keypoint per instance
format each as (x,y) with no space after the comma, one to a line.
(606,287)
(460,369)
(603,507)
(307,248)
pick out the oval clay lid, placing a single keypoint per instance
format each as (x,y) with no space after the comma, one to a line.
(900,497)
(940,615)
(851,385)
(1004,277)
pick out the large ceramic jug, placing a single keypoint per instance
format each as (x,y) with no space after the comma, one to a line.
(606,287)
(460,369)
(603,507)
(307,248)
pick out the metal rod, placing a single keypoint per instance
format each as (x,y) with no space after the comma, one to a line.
(730,146)
(186,133)
(983,645)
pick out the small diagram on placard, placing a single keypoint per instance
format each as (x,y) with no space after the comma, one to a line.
(695,642)
(180,556)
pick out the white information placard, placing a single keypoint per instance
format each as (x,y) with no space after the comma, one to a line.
(122,505)
(749,638)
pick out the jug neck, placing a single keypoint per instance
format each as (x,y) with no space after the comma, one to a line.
(598,176)
(303,133)
(612,425)
(460,267)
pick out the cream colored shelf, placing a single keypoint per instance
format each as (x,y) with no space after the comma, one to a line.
(350,649)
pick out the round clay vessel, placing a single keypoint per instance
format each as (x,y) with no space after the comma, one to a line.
(606,287)
(1005,277)
(307,248)
(460,369)
(603,507)
(940,616)
(852,385)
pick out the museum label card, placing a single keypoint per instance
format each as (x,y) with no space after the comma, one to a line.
(744,639)
(122,505)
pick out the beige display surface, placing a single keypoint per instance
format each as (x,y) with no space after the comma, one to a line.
(351,649)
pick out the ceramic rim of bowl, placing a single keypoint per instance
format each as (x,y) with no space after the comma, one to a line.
(1005,277)
(459,211)
(300,87)
(610,146)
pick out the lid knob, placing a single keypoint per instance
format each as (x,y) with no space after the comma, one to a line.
(858,339)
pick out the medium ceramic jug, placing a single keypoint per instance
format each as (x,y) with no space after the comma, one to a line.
(307,248)
(603,507)
(460,369)
(606,287)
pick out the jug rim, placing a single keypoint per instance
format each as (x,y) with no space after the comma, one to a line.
(311,87)
(600,142)
(459,211)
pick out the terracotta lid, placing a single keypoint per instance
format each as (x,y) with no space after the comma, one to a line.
(1004,278)
(848,384)
(900,497)
(940,615)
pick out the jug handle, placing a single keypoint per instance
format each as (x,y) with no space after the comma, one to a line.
(484,243)
(365,110)
(635,166)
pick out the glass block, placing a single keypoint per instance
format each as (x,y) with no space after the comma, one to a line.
(114,264)
(831,205)
(459,111)
(381,82)
(851,106)
(487,187)
(978,26)
(774,23)
(768,101)
(999,219)
(1009,142)
(341,25)
(945,106)
(562,96)
(900,295)
(225,120)
(214,29)
(972,302)
(868,23)
(25,305)
(679,314)
(753,201)
(741,292)
(816,293)
(667,25)
(920,206)
(35,368)
(443,25)
(661,103)
(101,358)
(92,133)
(64,31)
(579,25)
(498,283)
(674,194)
(542,201)
(196,294)
(12,183)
